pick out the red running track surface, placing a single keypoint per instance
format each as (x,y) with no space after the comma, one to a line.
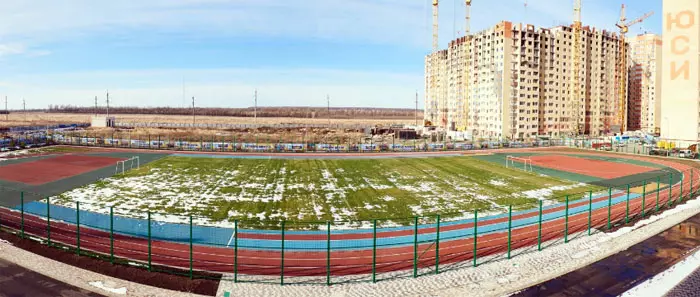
(589,167)
(54,168)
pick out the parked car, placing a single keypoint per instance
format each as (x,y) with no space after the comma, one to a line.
(686,154)
(658,152)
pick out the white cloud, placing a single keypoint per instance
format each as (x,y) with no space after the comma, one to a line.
(10,49)
(397,22)
(386,21)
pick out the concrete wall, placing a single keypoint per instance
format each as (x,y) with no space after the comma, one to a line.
(680,93)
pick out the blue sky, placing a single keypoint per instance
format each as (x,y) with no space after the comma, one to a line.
(360,52)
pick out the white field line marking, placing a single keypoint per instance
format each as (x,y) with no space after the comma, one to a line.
(233,234)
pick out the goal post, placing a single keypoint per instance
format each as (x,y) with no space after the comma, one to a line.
(514,162)
(134,162)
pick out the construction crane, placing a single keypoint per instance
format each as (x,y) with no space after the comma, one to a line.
(622,65)
(575,83)
(435,26)
(467,19)
(465,80)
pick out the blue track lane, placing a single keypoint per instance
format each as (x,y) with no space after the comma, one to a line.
(217,236)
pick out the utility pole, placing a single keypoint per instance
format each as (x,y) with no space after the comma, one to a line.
(96,110)
(24,109)
(193,117)
(416,114)
(107,103)
(255,108)
(328,99)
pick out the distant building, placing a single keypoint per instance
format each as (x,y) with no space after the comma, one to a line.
(102,122)
(680,93)
(645,84)
(513,81)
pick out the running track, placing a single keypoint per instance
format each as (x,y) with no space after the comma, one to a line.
(315,261)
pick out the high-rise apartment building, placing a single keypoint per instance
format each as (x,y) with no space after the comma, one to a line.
(644,112)
(514,81)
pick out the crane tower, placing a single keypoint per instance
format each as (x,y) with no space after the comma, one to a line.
(622,66)
(467,66)
(575,82)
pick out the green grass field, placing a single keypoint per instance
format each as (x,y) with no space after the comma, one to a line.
(217,191)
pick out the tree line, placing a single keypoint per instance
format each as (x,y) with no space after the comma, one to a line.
(292,112)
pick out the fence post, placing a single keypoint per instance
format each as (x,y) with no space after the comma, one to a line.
(328,253)
(374,251)
(149,240)
(590,210)
(510,225)
(658,189)
(476,233)
(566,221)
(539,230)
(609,205)
(48,220)
(21,201)
(644,195)
(627,209)
(235,251)
(680,195)
(437,246)
(690,192)
(77,227)
(415,246)
(191,248)
(111,234)
(670,189)
(282,254)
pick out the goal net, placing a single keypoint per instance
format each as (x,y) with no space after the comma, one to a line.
(131,163)
(519,163)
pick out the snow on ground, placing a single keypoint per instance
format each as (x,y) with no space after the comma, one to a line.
(544,193)
(498,183)
(103,286)
(234,191)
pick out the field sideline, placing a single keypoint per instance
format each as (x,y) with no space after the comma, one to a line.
(219,191)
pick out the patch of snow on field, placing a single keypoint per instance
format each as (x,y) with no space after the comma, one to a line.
(388,198)
(498,183)
(375,185)
(544,193)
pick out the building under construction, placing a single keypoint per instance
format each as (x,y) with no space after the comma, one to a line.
(645,84)
(517,81)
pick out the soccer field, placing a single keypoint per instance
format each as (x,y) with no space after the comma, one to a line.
(218,191)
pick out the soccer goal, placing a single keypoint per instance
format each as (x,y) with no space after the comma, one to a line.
(526,163)
(134,162)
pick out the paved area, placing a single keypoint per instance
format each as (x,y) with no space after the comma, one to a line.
(618,273)
(57,274)
(18,281)
(689,287)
